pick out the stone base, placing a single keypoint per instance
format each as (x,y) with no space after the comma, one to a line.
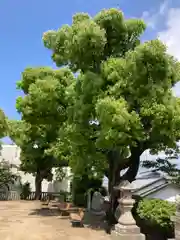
(97,213)
(120,236)
(127,232)
(95,221)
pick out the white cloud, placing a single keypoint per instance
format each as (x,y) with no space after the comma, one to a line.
(149,19)
(171,34)
(164,7)
(153,17)
(171,37)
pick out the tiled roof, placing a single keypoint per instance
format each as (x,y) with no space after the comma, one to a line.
(146,183)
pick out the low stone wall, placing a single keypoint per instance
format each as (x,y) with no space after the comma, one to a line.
(176,219)
(177,224)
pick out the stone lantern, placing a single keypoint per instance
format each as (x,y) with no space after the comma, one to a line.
(176,219)
(126,228)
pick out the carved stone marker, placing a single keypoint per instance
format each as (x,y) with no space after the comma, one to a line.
(126,228)
(97,204)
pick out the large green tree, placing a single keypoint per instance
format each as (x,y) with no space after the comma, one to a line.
(43,111)
(123,101)
(166,164)
(7,177)
(3,124)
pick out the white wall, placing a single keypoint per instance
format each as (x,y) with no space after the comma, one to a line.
(11,153)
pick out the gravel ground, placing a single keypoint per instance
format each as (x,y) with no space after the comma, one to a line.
(21,220)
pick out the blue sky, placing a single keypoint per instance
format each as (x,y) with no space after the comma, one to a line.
(23,22)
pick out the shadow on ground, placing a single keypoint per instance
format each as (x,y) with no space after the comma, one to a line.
(46,212)
(90,221)
(95,222)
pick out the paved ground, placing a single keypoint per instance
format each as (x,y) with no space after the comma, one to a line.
(26,220)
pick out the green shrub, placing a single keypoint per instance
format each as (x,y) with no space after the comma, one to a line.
(25,190)
(80,199)
(65,196)
(80,187)
(103,191)
(156,213)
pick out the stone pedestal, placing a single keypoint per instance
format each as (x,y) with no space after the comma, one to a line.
(176,220)
(126,228)
(177,229)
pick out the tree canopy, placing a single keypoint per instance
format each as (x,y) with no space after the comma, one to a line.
(166,165)
(3,124)
(109,101)
(43,109)
(7,177)
(123,101)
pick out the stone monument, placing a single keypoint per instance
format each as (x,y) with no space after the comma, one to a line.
(126,228)
(97,204)
(89,199)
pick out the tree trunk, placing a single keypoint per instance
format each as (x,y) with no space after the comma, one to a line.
(132,171)
(115,179)
(114,196)
(38,183)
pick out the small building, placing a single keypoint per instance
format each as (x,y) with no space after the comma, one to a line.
(153,185)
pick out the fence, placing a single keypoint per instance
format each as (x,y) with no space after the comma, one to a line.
(15,195)
(11,195)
